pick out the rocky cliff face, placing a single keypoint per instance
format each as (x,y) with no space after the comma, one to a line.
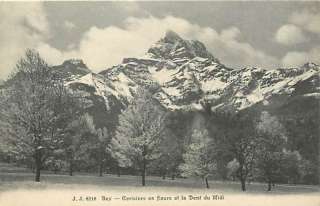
(72,69)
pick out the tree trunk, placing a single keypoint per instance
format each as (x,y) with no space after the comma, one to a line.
(207,183)
(172,177)
(163,174)
(118,171)
(37,179)
(269,185)
(101,169)
(241,175)
(101,160)
(243,184)
(71,169)
(38,165)
(144,172)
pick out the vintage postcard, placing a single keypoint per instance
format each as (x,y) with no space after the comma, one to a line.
(160,103)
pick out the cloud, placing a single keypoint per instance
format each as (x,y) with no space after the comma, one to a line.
(69,25)
(26,26)
(238,54)
(128,6)
(101,48)
(51,55)
(307,19)
(290,34)
(295,58)
(231,33)
(22,26)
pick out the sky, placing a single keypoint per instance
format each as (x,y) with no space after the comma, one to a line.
(239,34)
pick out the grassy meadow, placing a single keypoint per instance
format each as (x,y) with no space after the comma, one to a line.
(18,188)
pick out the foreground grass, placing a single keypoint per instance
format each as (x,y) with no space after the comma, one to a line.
(18,188)
(61,191)
(12,181)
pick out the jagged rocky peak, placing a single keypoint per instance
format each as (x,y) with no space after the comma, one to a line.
(311,65)
(75,62)
(172,46)
(72,69)
(171,37)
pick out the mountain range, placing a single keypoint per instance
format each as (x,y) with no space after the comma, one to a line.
(186,76)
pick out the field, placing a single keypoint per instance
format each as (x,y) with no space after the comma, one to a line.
(17,188)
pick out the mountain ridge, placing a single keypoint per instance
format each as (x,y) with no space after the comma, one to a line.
(187,75)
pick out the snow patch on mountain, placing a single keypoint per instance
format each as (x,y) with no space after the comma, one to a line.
(162,76)
(213,84)
(124,86)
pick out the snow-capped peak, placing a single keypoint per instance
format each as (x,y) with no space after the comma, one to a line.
(72,69)
(171,37)
(76,63)
(187,74)
(173,47)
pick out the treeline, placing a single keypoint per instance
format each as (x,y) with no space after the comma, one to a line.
(45,125)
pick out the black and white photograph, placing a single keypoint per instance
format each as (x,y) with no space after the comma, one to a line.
(160,103)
